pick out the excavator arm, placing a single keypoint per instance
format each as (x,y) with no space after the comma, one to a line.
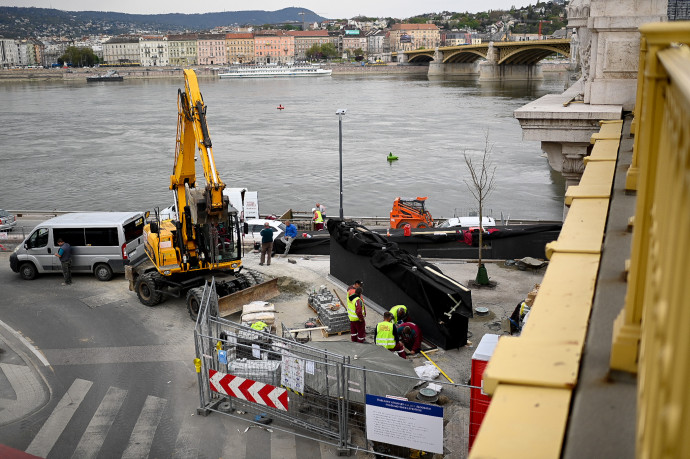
(193,136)
(206,234)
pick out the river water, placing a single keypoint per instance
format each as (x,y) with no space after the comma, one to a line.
(110,146)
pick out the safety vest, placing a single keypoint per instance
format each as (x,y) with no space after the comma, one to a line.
(352,309)
(318,218)
(396,309)
(259,326)
(384,335)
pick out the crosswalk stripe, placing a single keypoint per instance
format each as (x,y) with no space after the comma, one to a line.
(95,433)
(187,443)
(283,445)
(44,441)
(142,436)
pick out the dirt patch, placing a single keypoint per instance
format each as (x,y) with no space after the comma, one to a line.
(291,286)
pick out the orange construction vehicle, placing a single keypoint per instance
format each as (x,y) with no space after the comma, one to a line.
(410,211)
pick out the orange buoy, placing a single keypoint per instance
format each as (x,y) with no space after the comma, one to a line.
(280,107)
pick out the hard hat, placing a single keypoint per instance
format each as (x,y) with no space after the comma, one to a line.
(313,209)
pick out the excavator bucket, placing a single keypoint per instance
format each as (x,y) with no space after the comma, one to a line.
(230,304)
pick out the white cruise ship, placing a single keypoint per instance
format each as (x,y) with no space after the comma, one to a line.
(274,71)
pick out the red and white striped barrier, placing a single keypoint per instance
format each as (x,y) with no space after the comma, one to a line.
(246,389)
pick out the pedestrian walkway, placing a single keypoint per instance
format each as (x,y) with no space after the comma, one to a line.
(22,389)
(23,392)
(255,442)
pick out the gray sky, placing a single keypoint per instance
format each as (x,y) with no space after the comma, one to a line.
(329,9)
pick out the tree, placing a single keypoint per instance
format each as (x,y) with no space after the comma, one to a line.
(328,50)
(481,185)
(79,57)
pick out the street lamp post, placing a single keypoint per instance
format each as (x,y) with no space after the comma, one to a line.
(340,112)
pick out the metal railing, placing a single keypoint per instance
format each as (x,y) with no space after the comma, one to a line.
(649,337)
(325,392)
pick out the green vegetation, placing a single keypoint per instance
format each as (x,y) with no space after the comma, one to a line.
(325,51)
(78,57)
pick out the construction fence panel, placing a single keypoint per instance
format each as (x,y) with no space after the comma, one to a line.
(321,394)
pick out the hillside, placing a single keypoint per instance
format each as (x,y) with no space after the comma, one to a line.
(16,22)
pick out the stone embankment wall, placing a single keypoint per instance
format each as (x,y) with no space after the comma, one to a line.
(208,72)
(168,72)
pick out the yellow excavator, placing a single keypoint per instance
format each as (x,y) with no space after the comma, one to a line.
(204,239)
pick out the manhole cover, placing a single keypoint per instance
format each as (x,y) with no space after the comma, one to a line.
(427,395)
(481,310)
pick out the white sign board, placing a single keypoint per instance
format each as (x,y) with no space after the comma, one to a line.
(292,373)
(404,423)
(251,204)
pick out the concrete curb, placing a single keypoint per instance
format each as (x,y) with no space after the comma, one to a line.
(22,371)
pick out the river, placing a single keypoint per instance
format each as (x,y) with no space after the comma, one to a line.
(110,146)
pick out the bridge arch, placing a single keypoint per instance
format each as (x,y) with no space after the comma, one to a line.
(463,56)
(422,57)
(515,55)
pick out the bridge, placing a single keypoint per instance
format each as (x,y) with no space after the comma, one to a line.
(508,60)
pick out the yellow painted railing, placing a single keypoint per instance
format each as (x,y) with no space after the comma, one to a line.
(532,377)
(657,306)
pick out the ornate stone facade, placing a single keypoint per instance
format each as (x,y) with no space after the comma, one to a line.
(607,42)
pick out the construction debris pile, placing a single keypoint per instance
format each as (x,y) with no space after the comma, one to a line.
(331,313)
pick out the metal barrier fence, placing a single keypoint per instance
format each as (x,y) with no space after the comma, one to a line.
(306,386)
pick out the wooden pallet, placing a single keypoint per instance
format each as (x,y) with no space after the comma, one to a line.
(327,334)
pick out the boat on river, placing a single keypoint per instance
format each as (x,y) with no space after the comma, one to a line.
(275,71)
(110,75)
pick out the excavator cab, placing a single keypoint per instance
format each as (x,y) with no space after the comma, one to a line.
(410,211)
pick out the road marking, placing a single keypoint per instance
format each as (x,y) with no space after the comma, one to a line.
(142,436)
(26,343)
(28,389)
(44,441)
(95,433)
(125,354)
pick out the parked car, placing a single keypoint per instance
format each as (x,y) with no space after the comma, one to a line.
(7,221)
(255,225)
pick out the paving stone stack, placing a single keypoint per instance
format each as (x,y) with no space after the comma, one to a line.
(331,313)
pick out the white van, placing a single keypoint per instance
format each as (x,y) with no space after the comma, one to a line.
(102,243)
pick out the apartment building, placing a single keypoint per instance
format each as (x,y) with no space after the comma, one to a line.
(375,39)
(353,39)
(153,51)
(211,49)
(239,48)
(274,47)
(122,50)
(455,38)
(9,53)
(305,39)
(408,37)
(182,50)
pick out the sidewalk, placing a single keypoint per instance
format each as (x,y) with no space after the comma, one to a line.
(22,388)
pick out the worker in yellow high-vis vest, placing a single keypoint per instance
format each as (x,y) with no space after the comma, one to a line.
(318,219)
(387,335)
(356,312)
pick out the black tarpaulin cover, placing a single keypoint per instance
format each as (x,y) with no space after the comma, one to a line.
(439,304)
